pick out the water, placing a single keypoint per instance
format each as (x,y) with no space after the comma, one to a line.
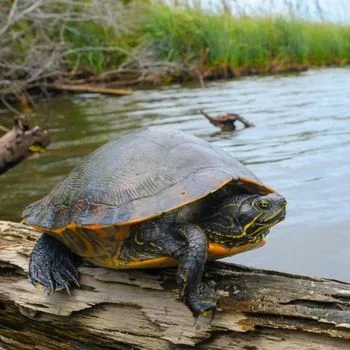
(300,146)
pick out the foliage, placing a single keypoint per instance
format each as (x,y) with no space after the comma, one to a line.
(142,42)
(224,44)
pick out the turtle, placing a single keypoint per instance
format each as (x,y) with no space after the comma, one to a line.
(155,197)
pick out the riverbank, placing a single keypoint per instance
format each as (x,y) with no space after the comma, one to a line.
(220,45)
(110,44)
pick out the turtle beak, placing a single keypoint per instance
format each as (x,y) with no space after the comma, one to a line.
(283,204)
(277,217)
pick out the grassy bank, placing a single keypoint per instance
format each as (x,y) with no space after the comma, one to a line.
(222,45)
(106,40)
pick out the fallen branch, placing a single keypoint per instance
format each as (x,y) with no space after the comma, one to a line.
(89,88)
(226,121)
(138,309)
(18,143)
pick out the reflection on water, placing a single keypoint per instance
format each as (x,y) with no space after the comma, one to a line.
(300,146)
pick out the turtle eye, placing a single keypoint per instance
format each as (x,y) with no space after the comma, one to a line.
(262,204)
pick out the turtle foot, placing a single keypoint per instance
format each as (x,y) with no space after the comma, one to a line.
(52,266)
(204,304)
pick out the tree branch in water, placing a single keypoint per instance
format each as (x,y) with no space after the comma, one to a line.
(20,142)
(226,121)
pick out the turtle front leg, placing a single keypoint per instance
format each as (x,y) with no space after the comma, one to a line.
(52,266)
(187,244)
(191,254)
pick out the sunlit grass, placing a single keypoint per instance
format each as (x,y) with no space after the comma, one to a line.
(220,44)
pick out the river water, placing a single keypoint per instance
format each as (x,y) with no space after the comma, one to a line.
(300,146)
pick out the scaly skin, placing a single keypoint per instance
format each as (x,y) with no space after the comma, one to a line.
(52,265)
(235,221)
(187,243)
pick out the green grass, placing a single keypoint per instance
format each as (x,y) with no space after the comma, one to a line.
(222,45)
(92,47)
(205,44)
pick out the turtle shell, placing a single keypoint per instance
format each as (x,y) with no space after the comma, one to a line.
(137,177)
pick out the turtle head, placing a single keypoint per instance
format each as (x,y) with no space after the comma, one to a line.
(244,218)
(257,214)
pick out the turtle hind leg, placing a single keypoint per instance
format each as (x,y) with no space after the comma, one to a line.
(52,265)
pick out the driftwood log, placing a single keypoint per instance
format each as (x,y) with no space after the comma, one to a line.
(16,144)
(88,88)
(139,310)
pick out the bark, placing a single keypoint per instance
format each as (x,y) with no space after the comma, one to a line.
(15,145)
(139,310)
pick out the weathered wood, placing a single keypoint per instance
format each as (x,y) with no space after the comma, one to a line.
(16,144)
(139,310)
(89,88)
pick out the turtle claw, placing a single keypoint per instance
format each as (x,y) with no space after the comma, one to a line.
(52,288)
(41,279)
(72,277)
(40,287)
(67,288)
(205,318)
(205,304)
(207,314)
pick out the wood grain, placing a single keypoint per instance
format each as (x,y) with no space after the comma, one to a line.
(139,309)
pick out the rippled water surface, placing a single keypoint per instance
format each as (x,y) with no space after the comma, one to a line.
(300,146)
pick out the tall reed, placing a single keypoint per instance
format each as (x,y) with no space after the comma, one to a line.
(224,45)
